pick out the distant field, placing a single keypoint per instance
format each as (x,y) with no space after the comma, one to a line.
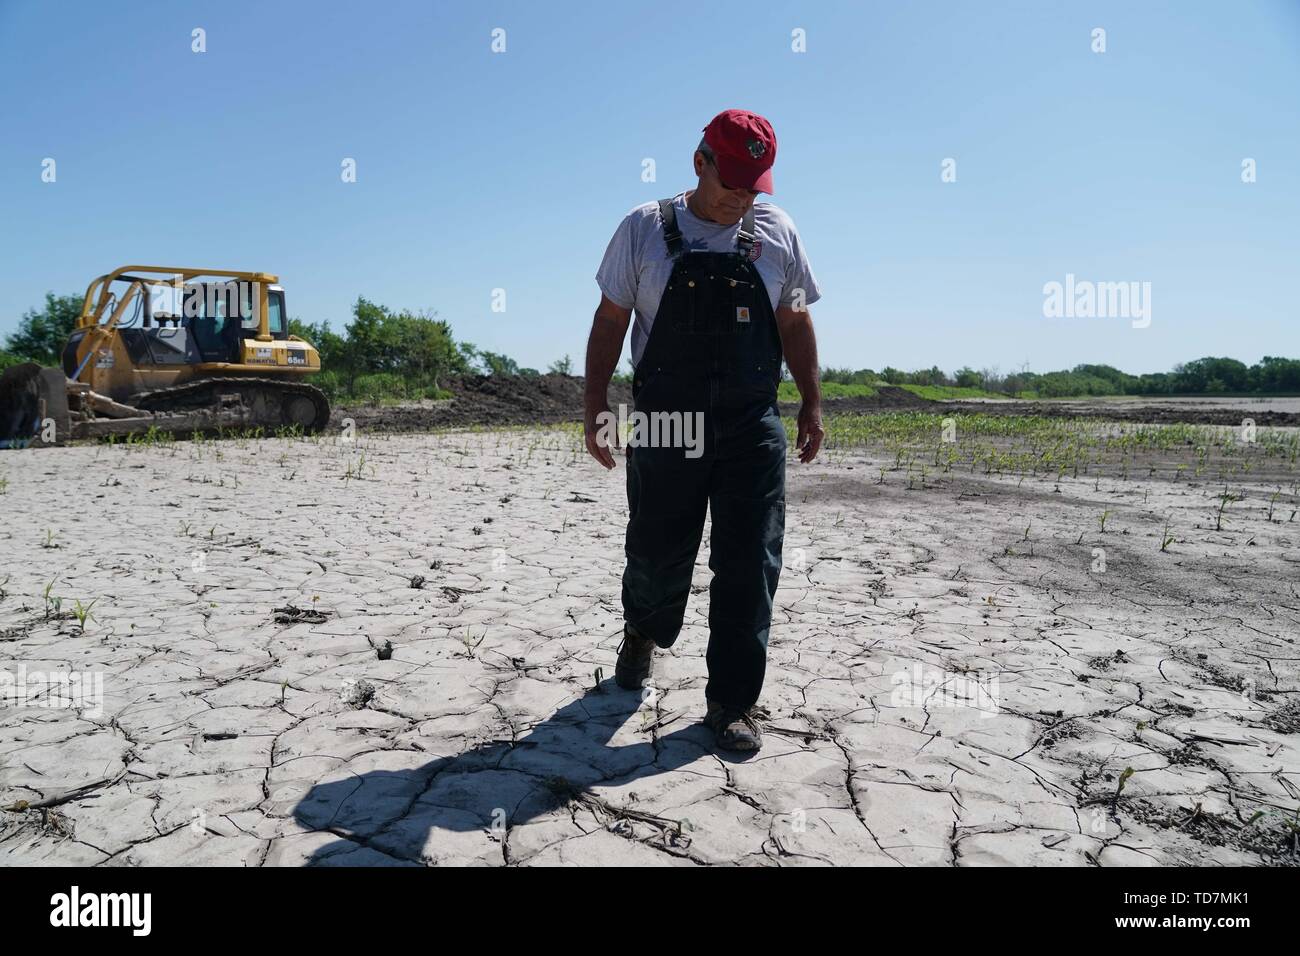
(788,392)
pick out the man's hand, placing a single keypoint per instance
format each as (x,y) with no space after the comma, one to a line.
(811,432)
(603,347)
(596,433)
(799,344)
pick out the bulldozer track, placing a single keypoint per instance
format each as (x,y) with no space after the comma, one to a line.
(271,402)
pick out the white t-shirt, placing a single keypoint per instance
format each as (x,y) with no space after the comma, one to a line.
(636,266)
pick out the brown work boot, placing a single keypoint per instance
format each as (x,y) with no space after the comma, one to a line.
(734,729)
(634,660)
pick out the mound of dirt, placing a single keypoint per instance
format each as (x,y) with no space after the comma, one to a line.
(484,400)
(888,398)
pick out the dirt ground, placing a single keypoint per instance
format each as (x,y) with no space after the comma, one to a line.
(399,650)
(490,401)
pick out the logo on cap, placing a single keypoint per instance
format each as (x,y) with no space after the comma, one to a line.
(756,148)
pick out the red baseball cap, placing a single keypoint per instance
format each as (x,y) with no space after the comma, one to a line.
(744,148)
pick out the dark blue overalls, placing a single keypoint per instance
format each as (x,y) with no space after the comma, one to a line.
(714,348)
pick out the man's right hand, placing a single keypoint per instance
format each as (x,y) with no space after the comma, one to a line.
(608,329)
(596,433)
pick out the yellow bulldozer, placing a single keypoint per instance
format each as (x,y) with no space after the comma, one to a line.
(172,349)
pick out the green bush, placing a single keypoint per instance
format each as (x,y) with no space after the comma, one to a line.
(385,387)
(42,333)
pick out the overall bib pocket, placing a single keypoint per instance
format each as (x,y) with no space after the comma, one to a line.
(712,294)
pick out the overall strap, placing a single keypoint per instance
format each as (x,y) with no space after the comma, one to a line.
(672,235)
(746,236)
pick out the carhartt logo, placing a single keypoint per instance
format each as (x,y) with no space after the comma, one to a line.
(756,148)
(103,909)
(742,313)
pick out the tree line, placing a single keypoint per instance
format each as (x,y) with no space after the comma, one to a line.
(1271,375)
(387,354)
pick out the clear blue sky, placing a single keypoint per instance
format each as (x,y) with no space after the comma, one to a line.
(479,170)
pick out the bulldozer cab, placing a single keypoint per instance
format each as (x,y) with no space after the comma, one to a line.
(216,316)
(147,327)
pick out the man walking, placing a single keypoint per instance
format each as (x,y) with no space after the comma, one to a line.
(721,287)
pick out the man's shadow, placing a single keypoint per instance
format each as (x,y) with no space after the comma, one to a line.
(496,784)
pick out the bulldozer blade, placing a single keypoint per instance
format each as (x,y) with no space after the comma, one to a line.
(35,412)
(33,407)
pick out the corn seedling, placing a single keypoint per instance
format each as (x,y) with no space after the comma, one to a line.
(1224,500)
(52,604)
(1123,779)
(83,614)
(1166,539)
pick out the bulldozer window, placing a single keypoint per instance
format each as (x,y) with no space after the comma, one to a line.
(208,334)
(275,313)
(275,310)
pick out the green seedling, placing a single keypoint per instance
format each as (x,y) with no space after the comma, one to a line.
(53,605)
(1224,500)
(1166,539)
(1123,779)
(83,614)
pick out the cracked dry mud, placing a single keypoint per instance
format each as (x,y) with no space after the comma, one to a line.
(237,727)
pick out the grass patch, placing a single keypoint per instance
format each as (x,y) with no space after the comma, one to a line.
(1037,445)
(943,393)
(789,392)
